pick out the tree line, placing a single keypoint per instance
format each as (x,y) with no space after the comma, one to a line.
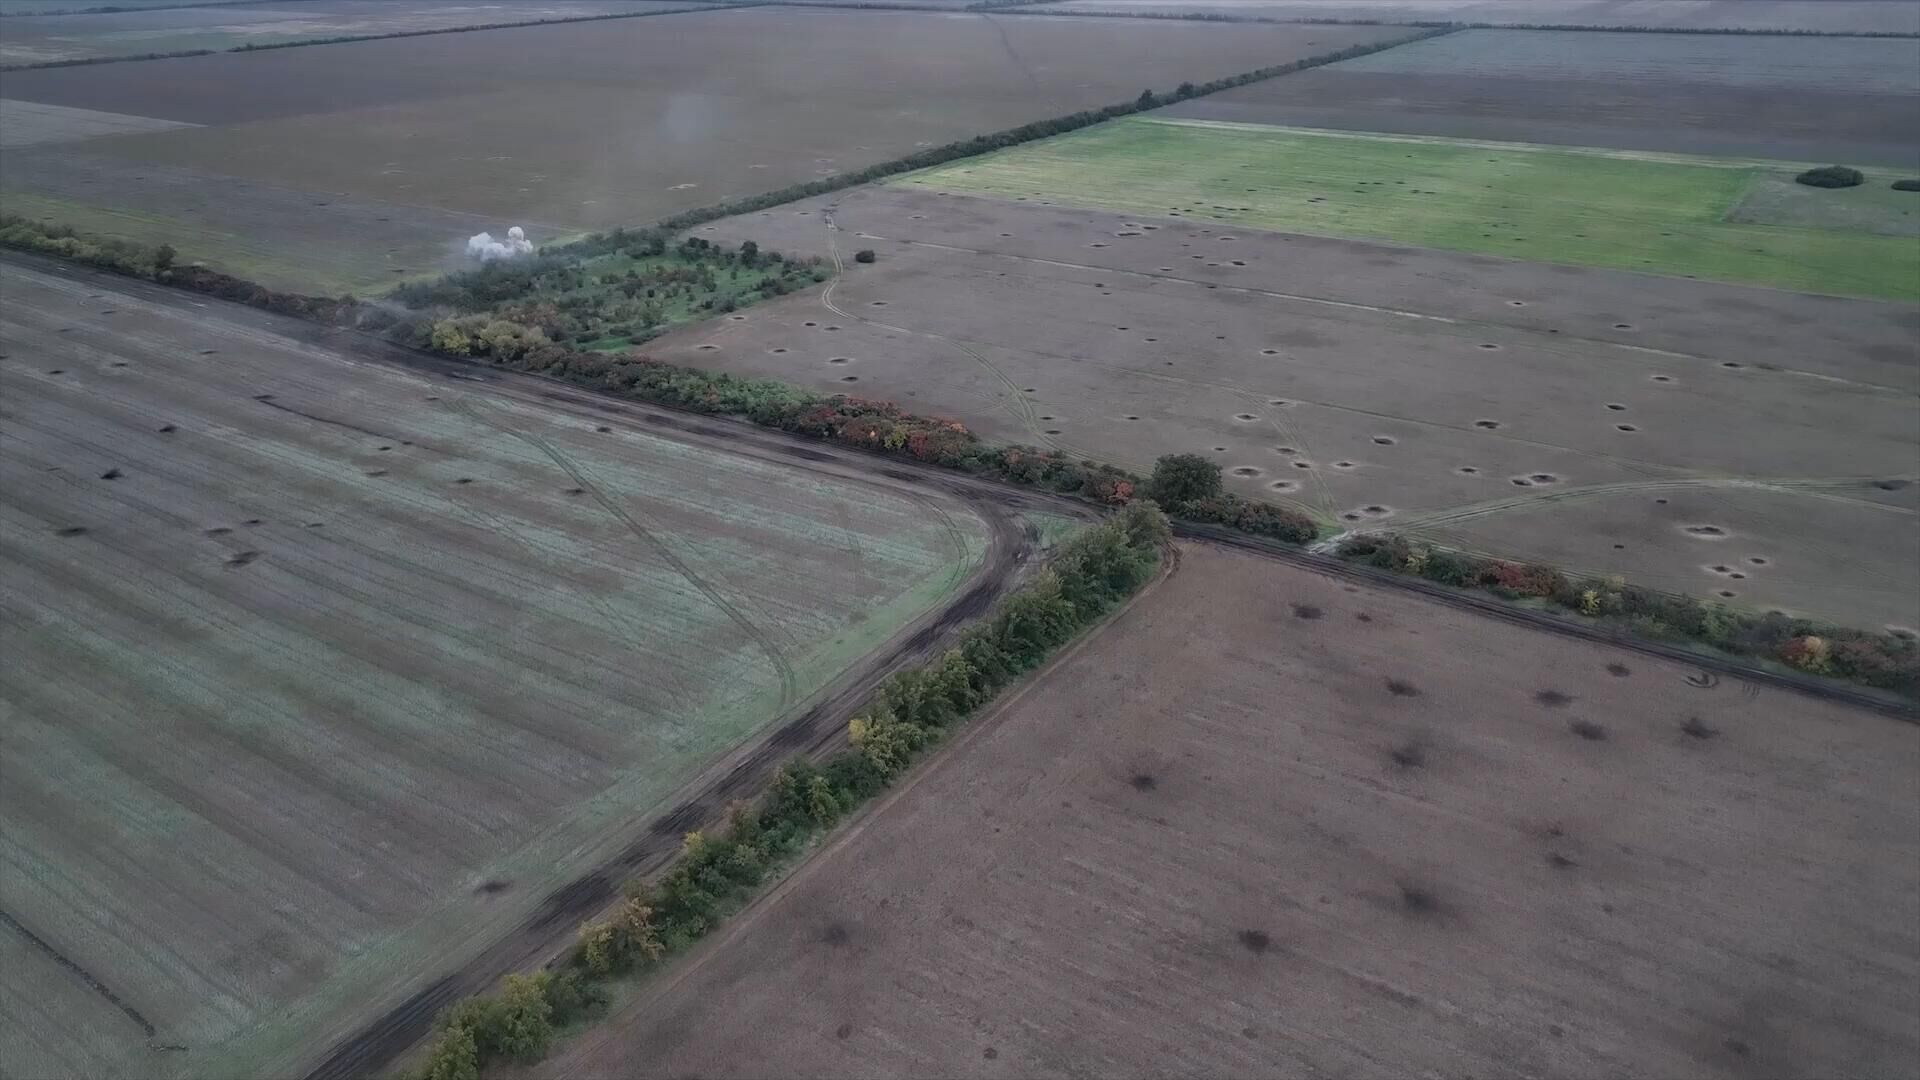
(1090,575)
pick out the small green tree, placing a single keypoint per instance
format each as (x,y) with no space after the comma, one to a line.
(163,257)
(454,1056)
(526,1016)
(1182,478)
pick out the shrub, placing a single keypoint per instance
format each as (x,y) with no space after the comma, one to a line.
(1906,185)
(1179,479)
(1830,176)
(864,255)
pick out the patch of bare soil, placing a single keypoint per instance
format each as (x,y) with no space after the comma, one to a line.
(1324,877)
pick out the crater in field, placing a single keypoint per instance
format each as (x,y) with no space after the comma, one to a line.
(1408,755)
(1892,484)
(777,350)
(1516,303)
(241,559)
(1544,478)
(112,474)
(1402,688)
(1489,346)
(1695,728)
(463,480)
(1283,485)
(1625,427)
(1376,510)
(1521,481)
(1709,531)
(1616,406)
(603,429)
(1130,416)
(1255,941)
(1383,440)
(1343,465)
(849,378)
(838,359)
(835,934)
(1731,364)
(1553,699)
(1757,560)
(1726,594)
(1903,633)
(1619,670)
(1349,516)
(1418,899)
(492,886)
(1245,470)
(1661,378)
(1143,782)
(217,530)
(1269,352)
(1307,611)
(1053,431)
(1303,464)
(1588,730)
(1467,470)
(1244,417)
(1486,425)
(706,348)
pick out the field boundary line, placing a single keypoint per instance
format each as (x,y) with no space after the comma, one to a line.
(1421,24)
(47,949)
(1812,686)
(937,761)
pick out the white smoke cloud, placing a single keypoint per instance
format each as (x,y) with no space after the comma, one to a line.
(485,248)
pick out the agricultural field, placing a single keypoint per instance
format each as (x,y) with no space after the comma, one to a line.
(1822,16)
(1331,831)
(324,672)
(1601,419)
(47,38)
(1662,214)
(1851,100)
(379,158)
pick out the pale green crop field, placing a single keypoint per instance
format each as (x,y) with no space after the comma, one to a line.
(1656,213)
(321,674)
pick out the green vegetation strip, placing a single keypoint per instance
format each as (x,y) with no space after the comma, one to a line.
(1187,485)
(1658,213)
(1888,661)
(1091,575)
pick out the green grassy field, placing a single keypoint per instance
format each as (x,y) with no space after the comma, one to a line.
(1663,214)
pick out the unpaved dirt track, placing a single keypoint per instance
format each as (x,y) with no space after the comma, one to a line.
(367,705)
(1273,823)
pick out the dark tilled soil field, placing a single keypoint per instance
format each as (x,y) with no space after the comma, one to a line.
(182,27)
(1784,98)
(515,124)
(1272,825)
(1605,420)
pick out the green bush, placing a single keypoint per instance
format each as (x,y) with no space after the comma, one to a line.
(1179,479)
(1906,185)
(1830,176)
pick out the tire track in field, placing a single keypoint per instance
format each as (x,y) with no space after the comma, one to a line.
(42,946)
(1016,401)
(789,680)
(1813,487)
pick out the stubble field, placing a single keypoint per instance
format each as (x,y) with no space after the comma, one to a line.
(1330,831)
(1851,100)
(496,128)
(321,672)
(1602,420)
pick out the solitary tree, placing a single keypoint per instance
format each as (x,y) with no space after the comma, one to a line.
(1179,479)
